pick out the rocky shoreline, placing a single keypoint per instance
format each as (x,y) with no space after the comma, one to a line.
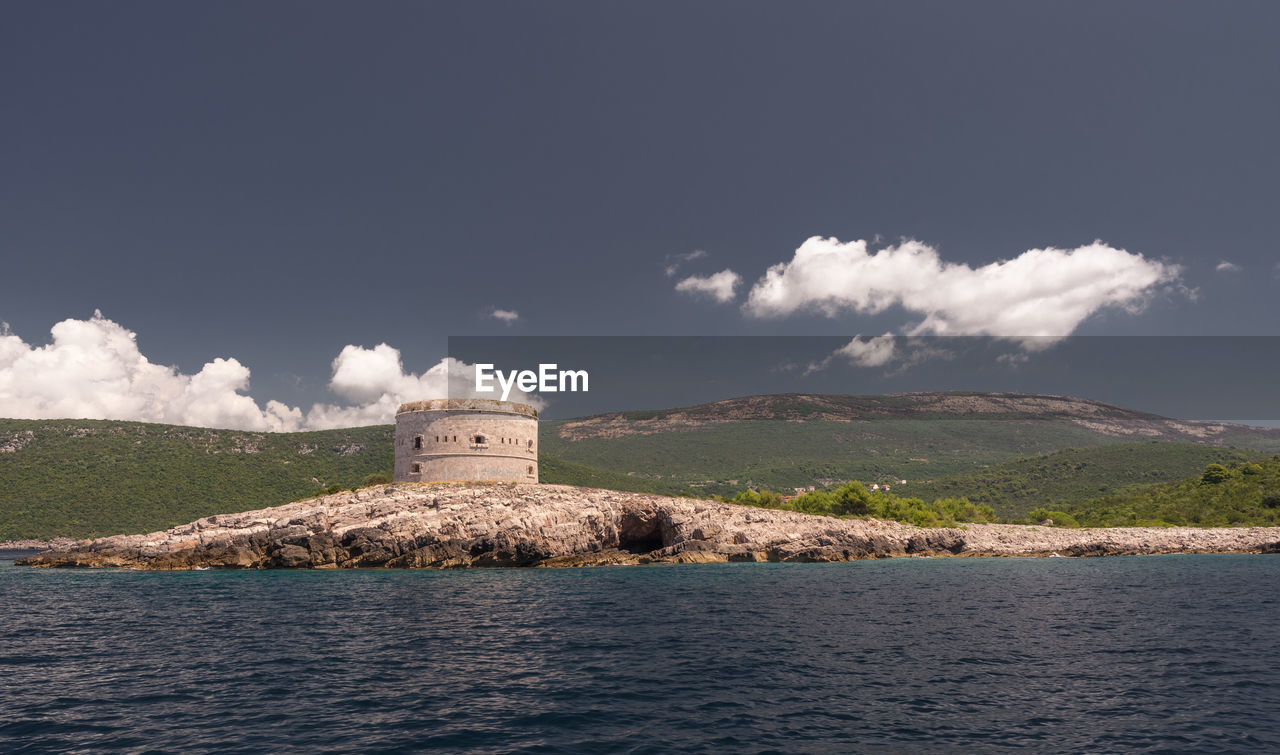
(453,525)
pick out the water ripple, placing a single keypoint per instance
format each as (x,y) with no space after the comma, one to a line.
(1154,653)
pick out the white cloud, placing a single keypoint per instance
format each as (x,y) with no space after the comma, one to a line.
(1040,293)
(861,352)
(721,286)
(506,315)
(92,369)
(674,261)
(871,352)
(1228,267)
(376,383)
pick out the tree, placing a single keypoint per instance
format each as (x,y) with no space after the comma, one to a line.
(1214,474)
(853,499)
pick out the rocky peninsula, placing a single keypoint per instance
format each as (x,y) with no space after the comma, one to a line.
(451,525)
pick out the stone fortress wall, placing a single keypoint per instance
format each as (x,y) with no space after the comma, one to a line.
(466,439)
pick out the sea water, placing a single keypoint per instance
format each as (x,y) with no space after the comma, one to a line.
(1157,652)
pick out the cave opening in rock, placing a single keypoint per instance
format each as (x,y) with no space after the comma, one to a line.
(640,534)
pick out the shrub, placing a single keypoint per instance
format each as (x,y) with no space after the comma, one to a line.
(761,498)
(378,478)
(1059,518)
(853,499)
(1271,501)
(818,502)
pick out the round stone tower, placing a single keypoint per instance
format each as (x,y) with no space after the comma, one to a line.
(466,439)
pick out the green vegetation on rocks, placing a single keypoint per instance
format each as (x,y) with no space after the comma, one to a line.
(1072,476)
(1239,493)
(853,499)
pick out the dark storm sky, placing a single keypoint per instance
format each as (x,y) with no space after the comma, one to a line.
(271,181)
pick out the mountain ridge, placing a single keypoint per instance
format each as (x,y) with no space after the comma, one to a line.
(1091,413)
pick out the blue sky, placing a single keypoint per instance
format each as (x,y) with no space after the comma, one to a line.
(272,183)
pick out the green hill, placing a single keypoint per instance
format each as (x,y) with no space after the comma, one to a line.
(1073,475)
(793,440)
(561,472)
(1237,493)
(97,477)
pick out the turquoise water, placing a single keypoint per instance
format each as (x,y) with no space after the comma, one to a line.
(1150,653)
